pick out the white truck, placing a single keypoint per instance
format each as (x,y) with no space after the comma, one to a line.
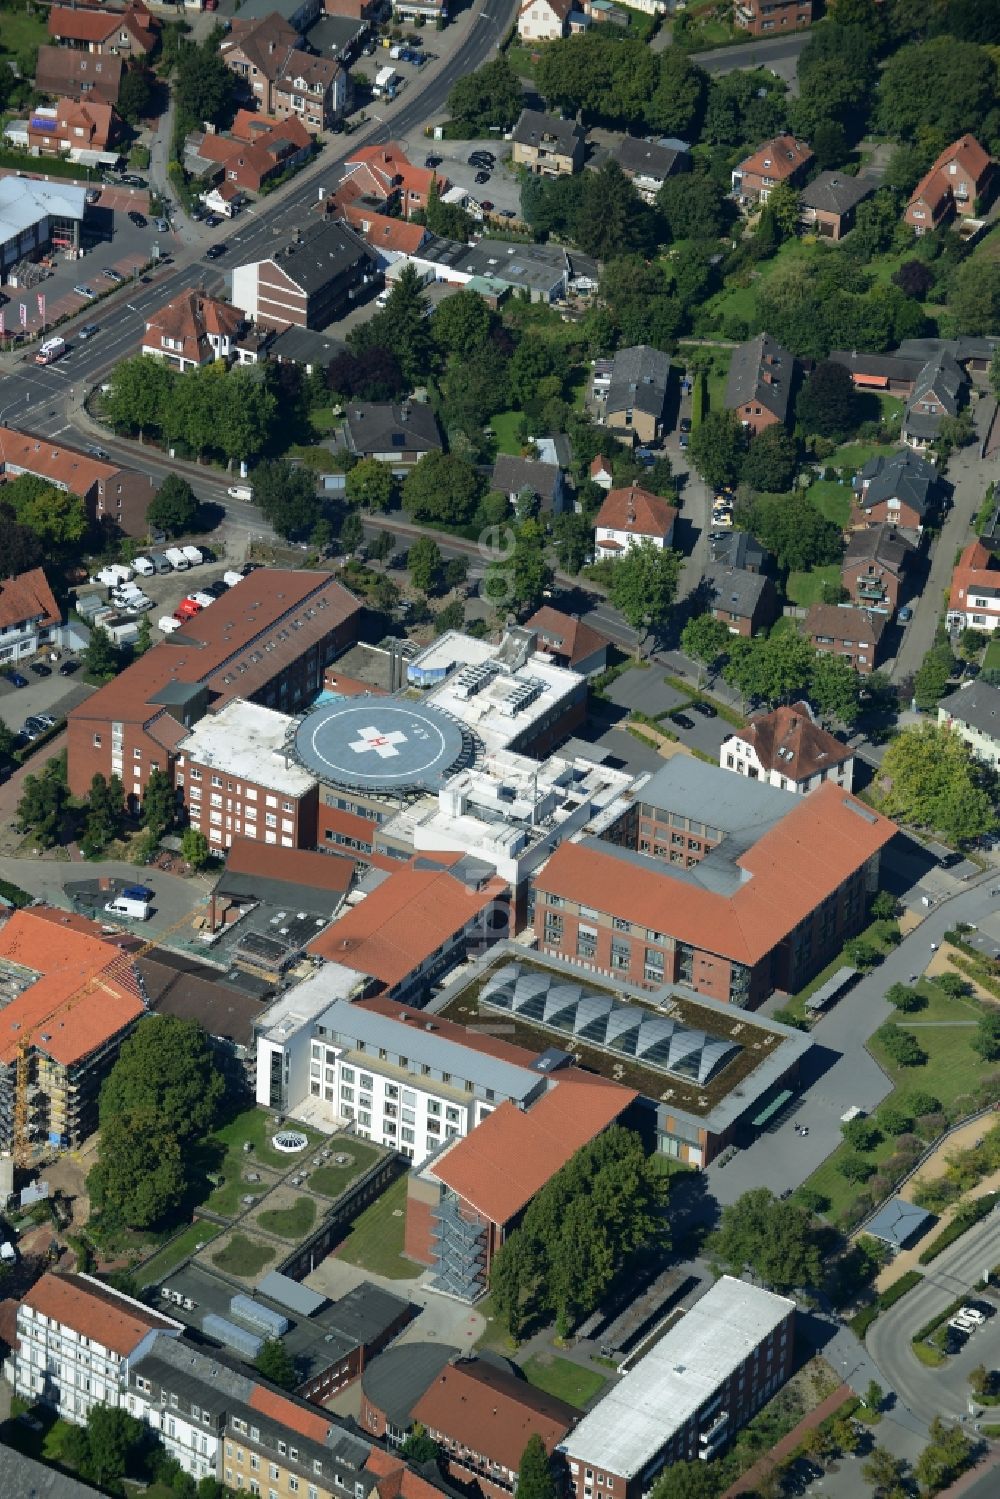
(231,579)
(114,574)
(144,566)
(167,624)
(193,555)
(177,559)
(124,905)
(240,492)
(387,81)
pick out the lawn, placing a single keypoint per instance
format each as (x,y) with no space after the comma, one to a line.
(831,499)
(505,426)
(227,1200)
(740,301)
(991,660)
(952,1069)
(375,1241)
(853,455)
(807,588)
(179,1249)
(252,1127)
(566,1381)
(289,1223)
(520,59)
(332,1180)
(21,29)
(243,1257)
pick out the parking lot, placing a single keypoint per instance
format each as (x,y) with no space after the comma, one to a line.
(55,695)
(503,189)
(167,589)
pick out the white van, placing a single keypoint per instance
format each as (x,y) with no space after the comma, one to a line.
(231,579)
(204,599)
(168,623)
(135,910)
(144,567)
(240,491)
(193,556)
(177,559)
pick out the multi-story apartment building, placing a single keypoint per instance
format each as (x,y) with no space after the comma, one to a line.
(267,642)
(116,498)
(237,780)
(76,1341)
(28,615)
(313,279)
(771,17)
(709,881)
(845,630)
(790,750)
(76,999)
(547,145)
(685,1398)
(973,713)
(876,561)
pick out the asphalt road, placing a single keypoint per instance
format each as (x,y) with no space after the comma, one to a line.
(780,54)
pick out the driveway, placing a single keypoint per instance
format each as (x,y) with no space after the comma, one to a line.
(55,695)
(173,896)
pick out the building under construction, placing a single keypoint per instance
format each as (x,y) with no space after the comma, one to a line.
(69,996)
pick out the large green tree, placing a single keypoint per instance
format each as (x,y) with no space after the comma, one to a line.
(174,508)
(102,659)
(442,487)
(105,809)
(275,1363)
(930,778)
(694,205)
(777,1240)
(686,1480)
(611,218)
(286,496)
(643,585)
(370,483)
(706,640)
(57,517)
(793,529)
(771,461)
(203,86)
(425,563)
(827,403)
(488,96)
(519,580)
(535,1479)
(166,1071)
(718,447)
(402,327)
(140,1178)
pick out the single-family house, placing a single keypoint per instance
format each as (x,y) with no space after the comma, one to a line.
(899,489)
(974,598)
(544,20)
(569,641)
(649,163)
(384,175)
(636,393)
(629,517)
(772,17)
(28,615)
(847,631)
(193,329)
(548,146)
(973,713)
(960,182)
(738,549)
(515,476)
(744,602)
(939,391)
(125,33)
(254,150)
(875,563)
(398,433)
(71,125)
(759,384)
(787,748)
(830,200)
(783,159)
(600,472)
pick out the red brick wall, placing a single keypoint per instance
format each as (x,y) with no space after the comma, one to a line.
(417,1244)
(370,1418)
(890,584)
(904,516)
(756,417)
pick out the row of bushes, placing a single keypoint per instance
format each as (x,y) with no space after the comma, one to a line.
(966,1217)
(14,895)
(861,1321)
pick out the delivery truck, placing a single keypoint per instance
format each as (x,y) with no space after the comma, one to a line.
(134,910)
(177,559)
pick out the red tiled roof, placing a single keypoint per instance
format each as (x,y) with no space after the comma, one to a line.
(306,1420)
(576,640)
(600,464)
(404,921)
(636,511)
(389,163)
(382,231)
(28,596)
(95,1311)
(48,459)
(489,1411)
(395,1479)
(61,1024)
(777,158)
(72,23)
(298,866)
(807,747)
(977,567)
(513,1153)
(190,319)
(788,879)
(845,623)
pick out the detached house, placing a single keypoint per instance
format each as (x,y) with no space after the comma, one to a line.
(385,175)
(545,20)
(630,517)
(788,749)
(974,599)
(71,125)
(569,641)
(635,394)
(875,565)
(121,33)
(398,434)
(772,17)
(79,75)
(959,182)
(783,159)
(898,490)
(29,615)
(938,391)
(548,146)
(830,201)
(973,713)
(744,602)
(649,163)
(759,385)
(842,630)
(514,476)
(194,329)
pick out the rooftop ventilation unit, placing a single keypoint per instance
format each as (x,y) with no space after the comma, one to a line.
(472,679)
(521,695)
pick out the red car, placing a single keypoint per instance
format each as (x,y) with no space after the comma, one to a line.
(187,609)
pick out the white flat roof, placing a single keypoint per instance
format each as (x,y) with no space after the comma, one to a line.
(638,1416)
(482,712)
(23,202)
(248,742)
(307,1002)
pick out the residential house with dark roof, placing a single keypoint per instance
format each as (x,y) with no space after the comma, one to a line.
(315,277)
(974,597)
(938,391)
(631,516)
(783,159)
(298,13)
(847,631)
(960,182)
(895,373)
(194,329)
(973,713)
(396,432)
(286,81)
(76,1339)
(569,641)
(255,50)
(788,749)
(759,384)
(738,549)
(829,202)
(636,394)
(482,1416)
(515,476)
(649,163)
(101,31)
(898,489)
(875,564)
(547,145)
(29,615)
(772,17)
(79,75)
(744,602)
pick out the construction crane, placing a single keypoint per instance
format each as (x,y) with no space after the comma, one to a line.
(125,959)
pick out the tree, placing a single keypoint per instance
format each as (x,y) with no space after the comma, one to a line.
(518,580)
(463,322)
(686,1480)
(861,1134)
(491,95)
(875,224)
(775,669)
(835,689)
(203,85)
(113,1438)
(535,1479)
(694,205)
(793,529)
(986,1041)
(894,1121)
(939,87)
(930,778)
(854,1168)
(884,1472)
(106,803)
(370,483)
(783,203)
(286,496)
(425,562)
(165,1072)
(158,803)
(43,802)
(135,96)
(946,1455)
(904,998)
(771,461)
(101,657)
(370,374)
(20,548)
(901,1047)
(611,217)
(140,1178)
(419,1447)
(144,639)
(873,1396)
(718,445)
(931,680)
(442,487)
(194,848)
(705,640)
(402,327)
(914,278)
(274,1362)
(643,585)
(57,517)
(862,954)
(884,906)
(827,403)
(174,508)
(451,617)
(776,1239)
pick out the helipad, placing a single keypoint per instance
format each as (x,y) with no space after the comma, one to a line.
(380,744)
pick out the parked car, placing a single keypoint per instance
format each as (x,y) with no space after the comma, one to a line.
(110,274)
(685,424)
(482,177)
(905,614)
(31,730)
(162,226)
(196,213)
(136,218)
(212,221)
(486,206)
(507,213)
(85,291)
(705,709)
(214,251)
(249,567)
(481,158)
(87,331)
(684,439)
(67,668)
(131,180)
(682,721)
(216,589)
(430,162)
(15,678)
(96,452)
(40,669)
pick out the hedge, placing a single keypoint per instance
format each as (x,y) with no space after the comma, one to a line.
(861,1321)
(14,895)
(966,1217)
